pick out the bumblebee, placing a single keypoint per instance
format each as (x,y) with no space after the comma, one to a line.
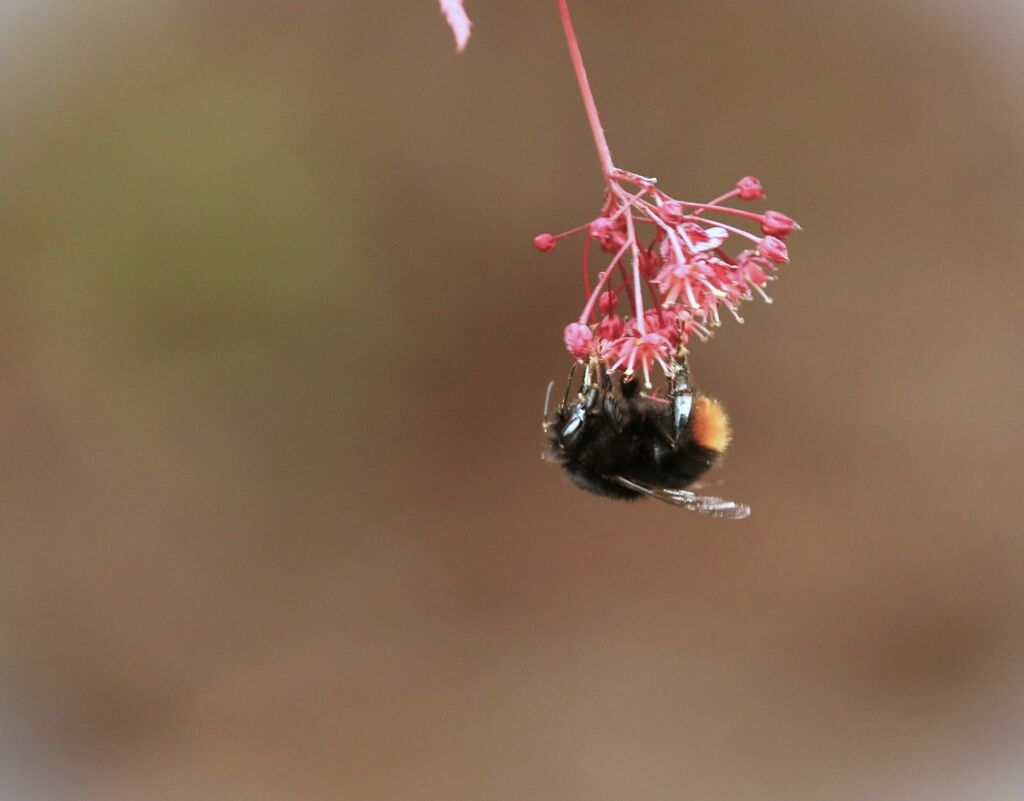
(617,441)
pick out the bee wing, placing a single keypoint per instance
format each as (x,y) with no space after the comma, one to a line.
(704,504)
(700,485)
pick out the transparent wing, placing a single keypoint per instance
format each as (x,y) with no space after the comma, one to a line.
(703,485)
(704,504)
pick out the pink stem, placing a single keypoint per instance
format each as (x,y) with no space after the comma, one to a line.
(638,305)
(572,231)
(600,284)
(586,267)
(625,287)
(629,203)
(604,154)
(702,207)
(717,200)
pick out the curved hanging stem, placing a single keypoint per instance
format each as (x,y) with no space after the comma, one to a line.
(603,152)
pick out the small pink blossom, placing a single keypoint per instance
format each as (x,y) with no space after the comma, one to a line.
(610,328)
(675,280)
(776,223)
(545,242)
(773,248)
(702,239)
(692,281)
(601,227)
(641,350)
(664,322)
(750,188)
(650,264)
(673,212)
(608,302)
(578,340)
(610,233)
(458,21)
(753,267)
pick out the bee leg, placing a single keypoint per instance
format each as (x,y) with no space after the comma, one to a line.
(568,387)
(681,396)
(674,428)
(680,376)
(682,407)
(575,426)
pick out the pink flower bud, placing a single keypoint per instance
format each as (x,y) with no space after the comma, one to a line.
(608,301)
(578,339)
(672,316)
(773,248)
(601,228)
(663,323)
(750,188)
(754,274)
(650,264)
(613,242)
(776,223)
(672,212)
(610,328)
(653,320)
(545,243)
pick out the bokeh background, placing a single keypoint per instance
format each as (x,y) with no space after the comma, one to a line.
(273,349)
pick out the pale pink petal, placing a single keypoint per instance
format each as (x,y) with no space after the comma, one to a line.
(458,21)
(716,236)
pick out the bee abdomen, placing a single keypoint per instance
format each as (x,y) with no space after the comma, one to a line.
(709,425)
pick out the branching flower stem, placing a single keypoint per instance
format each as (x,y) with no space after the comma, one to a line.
(686,271)
(676,253)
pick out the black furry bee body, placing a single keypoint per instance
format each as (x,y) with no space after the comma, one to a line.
(619,442)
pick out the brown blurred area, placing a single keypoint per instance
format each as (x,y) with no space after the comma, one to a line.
(273,349)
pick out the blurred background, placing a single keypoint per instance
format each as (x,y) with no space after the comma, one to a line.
(273,350)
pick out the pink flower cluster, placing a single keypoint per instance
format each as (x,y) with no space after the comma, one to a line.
(658,290)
